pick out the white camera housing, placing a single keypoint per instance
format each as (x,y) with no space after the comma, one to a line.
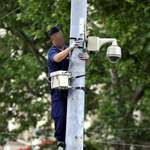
(113,51)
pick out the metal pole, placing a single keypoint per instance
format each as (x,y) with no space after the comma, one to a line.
(75,101)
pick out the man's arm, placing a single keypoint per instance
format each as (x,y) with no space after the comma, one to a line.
(60,56)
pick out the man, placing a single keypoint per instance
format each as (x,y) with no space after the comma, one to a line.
(58,59)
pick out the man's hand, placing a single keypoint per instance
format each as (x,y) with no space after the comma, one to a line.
(74,44)
(60,56)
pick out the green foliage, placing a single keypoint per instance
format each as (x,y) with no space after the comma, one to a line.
(125,91)
(21,88)
(24,95)
(128,87)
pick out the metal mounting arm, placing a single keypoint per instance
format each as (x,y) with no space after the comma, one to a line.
(95,43)
(103,41)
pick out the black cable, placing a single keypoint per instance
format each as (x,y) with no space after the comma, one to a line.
(14,10)
(87,67)
(90,62)
(80,76)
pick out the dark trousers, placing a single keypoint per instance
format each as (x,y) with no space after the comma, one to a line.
(58,113)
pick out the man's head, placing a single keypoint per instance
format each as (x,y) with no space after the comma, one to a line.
(56,36)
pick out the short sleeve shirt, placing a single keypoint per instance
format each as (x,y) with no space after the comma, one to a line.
(55,66)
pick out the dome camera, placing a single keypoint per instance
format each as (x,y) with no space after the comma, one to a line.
(113,53)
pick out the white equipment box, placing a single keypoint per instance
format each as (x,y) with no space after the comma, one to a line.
(93,44)
(60,80)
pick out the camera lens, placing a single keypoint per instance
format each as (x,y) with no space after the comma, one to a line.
(113,59)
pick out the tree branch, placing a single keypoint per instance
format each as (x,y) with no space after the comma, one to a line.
(114,75)
(138,94)
(32,47)
(30,44)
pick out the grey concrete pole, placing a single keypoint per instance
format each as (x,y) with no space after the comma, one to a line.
(75,101)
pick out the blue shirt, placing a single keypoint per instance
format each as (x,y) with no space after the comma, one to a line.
(55,66)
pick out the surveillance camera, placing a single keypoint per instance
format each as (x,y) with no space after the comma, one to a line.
(113,53)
